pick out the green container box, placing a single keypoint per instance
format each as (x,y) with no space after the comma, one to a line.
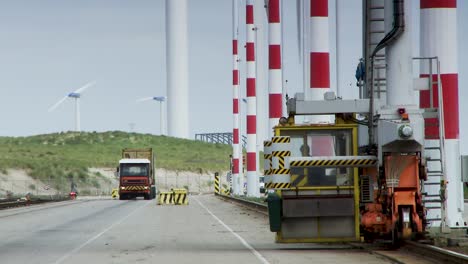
(274,211)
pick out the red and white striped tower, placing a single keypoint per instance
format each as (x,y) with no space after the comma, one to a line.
(319,54)
(252,178)
(439,38)
(236,150)
(275,75)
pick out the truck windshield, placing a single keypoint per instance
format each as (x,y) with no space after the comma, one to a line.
(134,169)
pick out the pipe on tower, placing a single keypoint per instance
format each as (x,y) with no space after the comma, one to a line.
(236,150)
(177,68)
(252,178)
(275,75)
(438,21)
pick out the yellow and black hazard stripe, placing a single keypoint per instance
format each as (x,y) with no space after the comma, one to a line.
(180,198)
(281,140)
(282,153)
(298,180)
(327,163)
(266,172)
(216,184)
(166,198)
(281,163)
(267,143)
(277,185)
(267,156)
(134,188)
(280,171)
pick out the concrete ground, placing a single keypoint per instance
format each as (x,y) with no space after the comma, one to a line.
(208,230)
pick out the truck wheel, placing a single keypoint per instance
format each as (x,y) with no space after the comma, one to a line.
(147,196)
(122,197)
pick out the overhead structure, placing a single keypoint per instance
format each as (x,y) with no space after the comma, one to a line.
(237,175)
(177,68)
(252,177)
(275,74)
(76,95)
(162,119)
(438,40)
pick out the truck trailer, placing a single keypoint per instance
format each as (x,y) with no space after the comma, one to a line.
(136,174)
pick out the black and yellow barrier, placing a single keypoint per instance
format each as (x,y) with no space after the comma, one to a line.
(216,184)
(180,196)
(166,198)
(115,193)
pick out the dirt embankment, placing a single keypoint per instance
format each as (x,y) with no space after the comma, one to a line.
(18,182)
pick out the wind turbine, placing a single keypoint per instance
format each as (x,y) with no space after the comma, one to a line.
(161,100)
(75,95)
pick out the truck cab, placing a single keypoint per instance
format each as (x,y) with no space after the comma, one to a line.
(135,179)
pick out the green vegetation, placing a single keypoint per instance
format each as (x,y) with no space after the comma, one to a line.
(64,156)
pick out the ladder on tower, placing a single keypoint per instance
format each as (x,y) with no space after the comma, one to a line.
(434,149)
(375,32)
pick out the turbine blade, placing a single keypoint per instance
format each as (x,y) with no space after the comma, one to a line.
(145,99)
(52,108)
(86,86)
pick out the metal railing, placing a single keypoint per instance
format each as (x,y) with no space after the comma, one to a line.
(221,138)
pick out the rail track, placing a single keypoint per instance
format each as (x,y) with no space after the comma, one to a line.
(424,251)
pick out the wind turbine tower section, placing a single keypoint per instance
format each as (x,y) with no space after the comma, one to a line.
(438,29)
(177,68)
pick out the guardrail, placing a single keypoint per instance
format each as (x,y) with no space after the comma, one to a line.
(11,203)
(263,208)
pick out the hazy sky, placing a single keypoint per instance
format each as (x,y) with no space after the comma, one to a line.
(49,48)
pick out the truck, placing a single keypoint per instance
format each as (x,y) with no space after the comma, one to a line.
(136,174)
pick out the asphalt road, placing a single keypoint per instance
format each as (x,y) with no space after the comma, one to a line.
(208,230)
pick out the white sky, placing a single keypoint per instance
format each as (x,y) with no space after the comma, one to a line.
(51,47)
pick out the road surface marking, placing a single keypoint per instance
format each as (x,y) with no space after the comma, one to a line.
(247,245)
(77,249)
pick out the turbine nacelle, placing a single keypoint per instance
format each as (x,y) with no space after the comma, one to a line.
(74,95)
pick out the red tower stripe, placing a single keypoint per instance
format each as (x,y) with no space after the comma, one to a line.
(234,47)
(319,70)
(274,57)
(235,137)
(250,51)
(273,11)
(450,100)
(275,105)
(235,77)
(250,87)
(235,106)
(251,124)
(235,166)
(249,15)
(438,4)
(318,8)
(251,161)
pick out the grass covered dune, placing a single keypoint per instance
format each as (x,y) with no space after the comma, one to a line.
(70,154)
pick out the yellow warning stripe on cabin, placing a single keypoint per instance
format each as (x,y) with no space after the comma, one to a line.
(298,180)
(282,153)
(328,163)
(266,172)
(267,156)
(277,185)
(279,171)
(281,140)
(267,143)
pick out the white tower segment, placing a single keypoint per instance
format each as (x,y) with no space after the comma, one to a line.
(438,20)
(177,68)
